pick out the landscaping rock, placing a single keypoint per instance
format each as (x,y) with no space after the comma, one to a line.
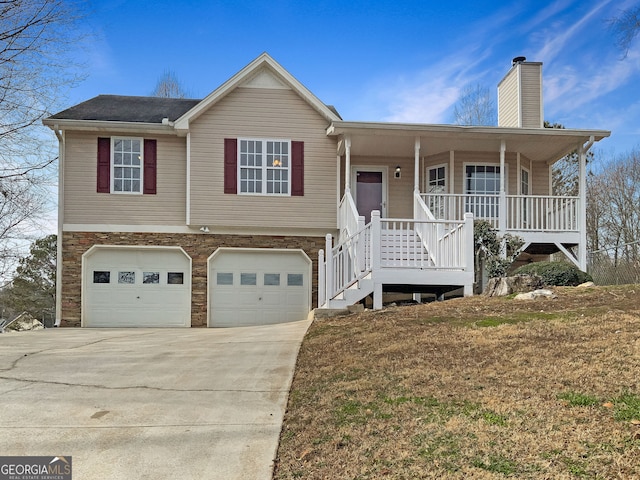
(22,323)
(542,293)
(586,285)
(499,287)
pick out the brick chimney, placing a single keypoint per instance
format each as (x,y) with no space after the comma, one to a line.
(520,95)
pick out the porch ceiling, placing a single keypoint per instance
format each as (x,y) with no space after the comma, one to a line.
(397,140)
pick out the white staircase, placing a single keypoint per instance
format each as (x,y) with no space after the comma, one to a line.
(421,251)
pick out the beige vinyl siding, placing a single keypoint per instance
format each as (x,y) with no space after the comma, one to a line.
(539,177)
(531,96)
(82,205)
(262,113)
(508,100)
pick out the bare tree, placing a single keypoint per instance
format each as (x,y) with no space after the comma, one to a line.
(38,63)
(169,86)
(475,107)
(626,27)
(613,214)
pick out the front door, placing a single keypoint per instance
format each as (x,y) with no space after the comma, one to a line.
(370,192)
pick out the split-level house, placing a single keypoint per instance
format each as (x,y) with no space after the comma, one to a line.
(259,202)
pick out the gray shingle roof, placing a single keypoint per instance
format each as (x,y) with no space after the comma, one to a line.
(120,108)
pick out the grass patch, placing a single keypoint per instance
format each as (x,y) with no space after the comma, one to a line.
(627,407)
(496,464)
(574,399)
(431,391)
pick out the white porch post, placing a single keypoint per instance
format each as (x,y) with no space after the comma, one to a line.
(416,170)
(582,188)
(322,286)
(502,210)
(376,239)
(347,163)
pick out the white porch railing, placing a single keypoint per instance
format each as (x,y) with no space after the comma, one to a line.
(395,244)
(542,213)
(349,221)
(524,213)
(347,262)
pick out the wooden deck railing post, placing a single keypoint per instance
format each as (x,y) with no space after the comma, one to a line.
(469,256)
(329,267)
(322,286)
(376,249)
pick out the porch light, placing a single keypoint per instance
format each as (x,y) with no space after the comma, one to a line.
(398,173)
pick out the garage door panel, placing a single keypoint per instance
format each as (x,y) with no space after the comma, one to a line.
(280,294)
(143,287)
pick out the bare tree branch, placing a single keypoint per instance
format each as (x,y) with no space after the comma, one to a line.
(626,27)
(475,107)
(38,63)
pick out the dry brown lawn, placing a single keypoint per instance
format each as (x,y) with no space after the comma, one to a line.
(470,388)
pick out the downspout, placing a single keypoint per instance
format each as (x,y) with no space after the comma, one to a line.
(61,145)
(582,187)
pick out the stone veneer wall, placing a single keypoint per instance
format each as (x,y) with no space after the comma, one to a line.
(199,247)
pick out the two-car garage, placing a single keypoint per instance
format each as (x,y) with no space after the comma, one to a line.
(131,286)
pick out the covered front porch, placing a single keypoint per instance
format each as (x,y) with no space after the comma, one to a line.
(425,184)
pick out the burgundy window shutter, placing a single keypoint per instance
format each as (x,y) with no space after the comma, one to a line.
(297,169)
(104,165)
(150,162)
(230,165)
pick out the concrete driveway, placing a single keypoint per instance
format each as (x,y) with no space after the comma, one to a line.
(149,403)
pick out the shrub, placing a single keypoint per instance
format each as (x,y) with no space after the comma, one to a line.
(558,274)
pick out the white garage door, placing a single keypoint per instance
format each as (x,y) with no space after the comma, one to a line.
(258,287)
(136,287)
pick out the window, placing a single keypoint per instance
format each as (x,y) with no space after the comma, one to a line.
(524,182)
(482,186)
(101,276)
(295,280)
(437,180)
(127,165)
(127,277)
(177,278)
(224,278)
(151,277)
(271,279)
(248,278)
(264,166)
(437,184)
(524,190)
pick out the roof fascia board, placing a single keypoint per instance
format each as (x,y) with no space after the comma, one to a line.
(101,125)
(411,129)
(182,123)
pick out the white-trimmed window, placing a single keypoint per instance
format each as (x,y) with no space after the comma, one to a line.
(264,166)
(482,189)
(126,165)
(437,186)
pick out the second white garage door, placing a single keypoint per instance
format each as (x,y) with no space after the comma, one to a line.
(258,287)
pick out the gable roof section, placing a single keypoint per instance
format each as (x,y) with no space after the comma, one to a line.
(119,108)
(263,72)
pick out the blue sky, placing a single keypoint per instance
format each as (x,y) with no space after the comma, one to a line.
(377,60)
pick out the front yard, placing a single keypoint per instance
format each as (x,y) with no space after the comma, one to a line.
(470,388)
